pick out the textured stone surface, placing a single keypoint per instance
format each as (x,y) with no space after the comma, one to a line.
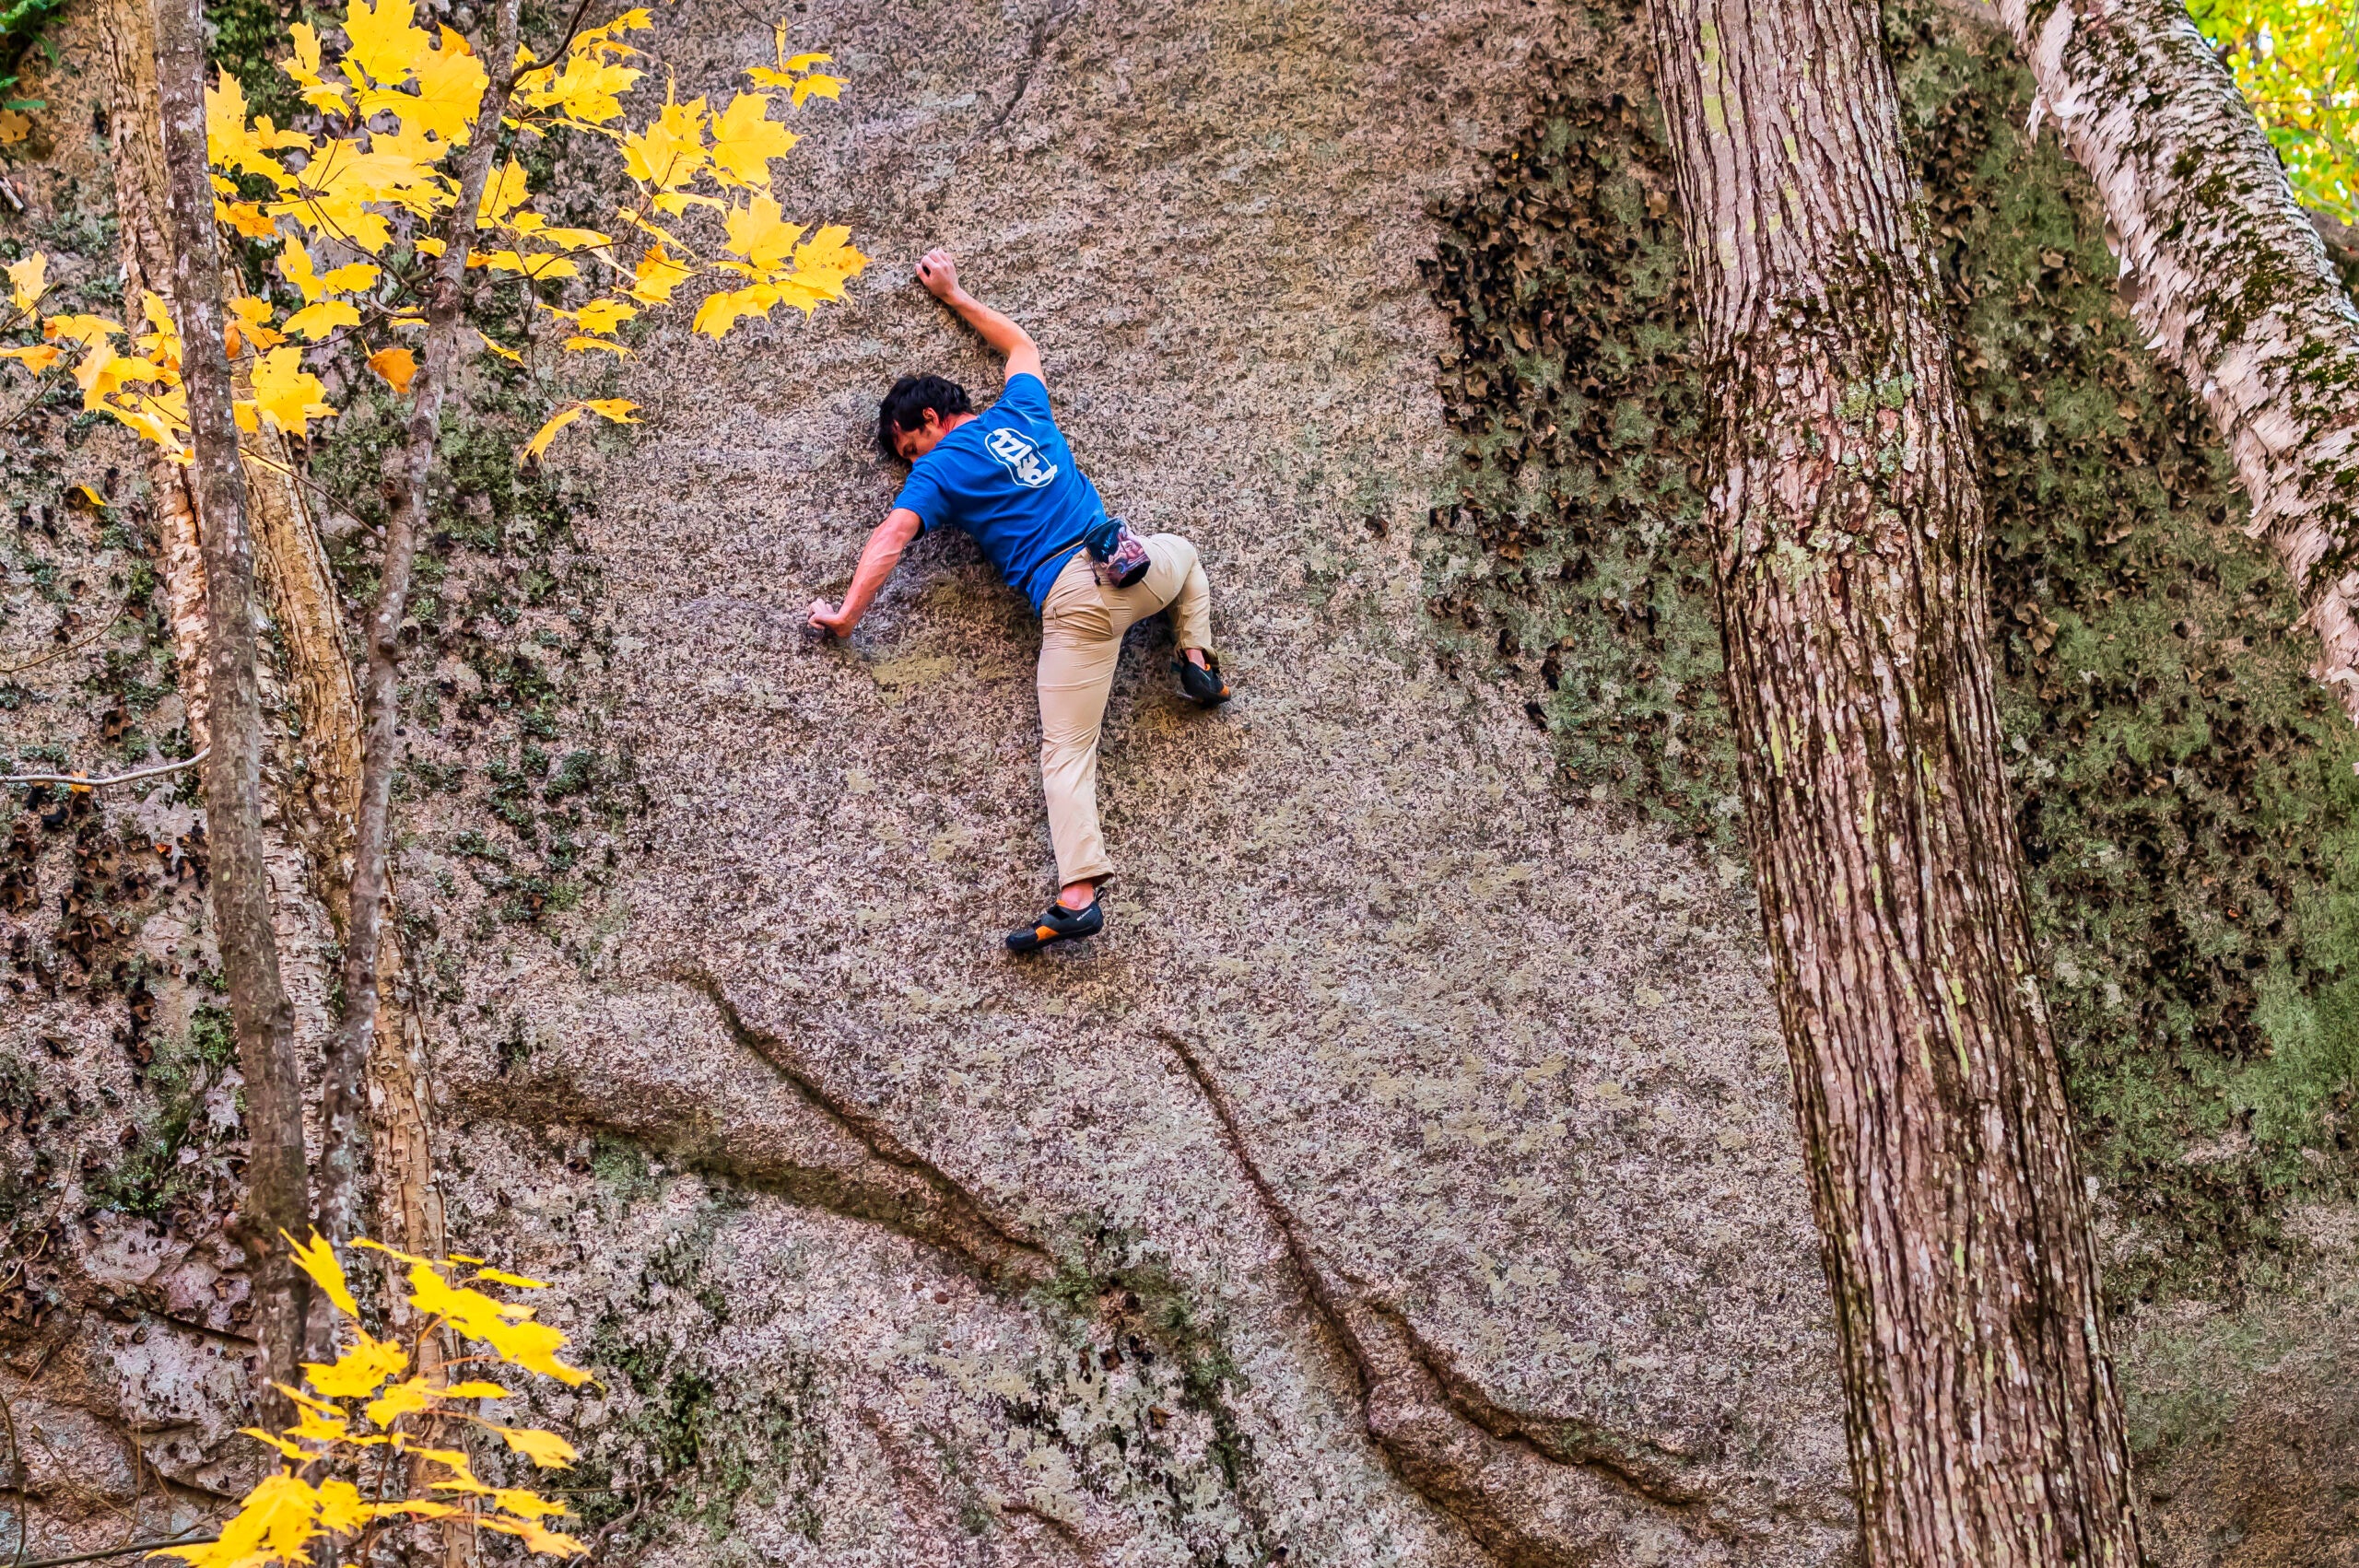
(1501,1066)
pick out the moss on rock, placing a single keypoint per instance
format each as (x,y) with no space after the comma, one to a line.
(2184,793)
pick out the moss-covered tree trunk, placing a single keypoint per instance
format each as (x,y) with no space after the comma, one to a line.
(2222,266)
(1984,1423)
(277,1195)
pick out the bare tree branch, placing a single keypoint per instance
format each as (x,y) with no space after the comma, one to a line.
(277,1182)
(82,782)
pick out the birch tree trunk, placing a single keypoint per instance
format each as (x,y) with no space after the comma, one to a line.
(276,1190)
(1984,1425)
(340,1096)
(2223,268)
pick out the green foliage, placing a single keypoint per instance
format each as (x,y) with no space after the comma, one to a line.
(2184,793)
(2297,62)
(21,25)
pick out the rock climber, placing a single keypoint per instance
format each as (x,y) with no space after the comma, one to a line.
(1008,477)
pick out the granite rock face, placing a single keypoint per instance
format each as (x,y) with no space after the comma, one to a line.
(1428,1131)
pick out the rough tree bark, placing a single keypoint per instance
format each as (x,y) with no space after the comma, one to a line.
(341,1103)
(1984,1423)
(277,1189)
(2222,265)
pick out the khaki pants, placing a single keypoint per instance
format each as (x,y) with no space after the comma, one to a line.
(1081,638)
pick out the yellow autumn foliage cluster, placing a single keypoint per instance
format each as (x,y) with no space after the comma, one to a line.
(342,204)
(359,1412)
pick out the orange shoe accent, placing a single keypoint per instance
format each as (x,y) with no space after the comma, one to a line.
(1044,933)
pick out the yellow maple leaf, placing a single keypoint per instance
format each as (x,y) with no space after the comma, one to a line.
(577,345)
(599,315)
(246,218)
(615,411)
(384,43)
(449,82)
(161,417)
(102,372)
(504,352)
(413,1508)
(656,276)
(760,234)
(723,309)
(36,357)
(396,365)
(313,323)
(351,277)
(295,265)
(526,1504)
(502,194)
(359,1371)
(401,1399)
(304,71)
(546,1449)
(744,139)
(250,323)
(294,1451)
(161,338)
(547,432)
(27,280)
(669,152)
(272,1524)
(535,1536)
(430,247)
(84,330)
(824,86)
(286,394)
(804,61)
(230,143)
(340,1507)
(529,1345)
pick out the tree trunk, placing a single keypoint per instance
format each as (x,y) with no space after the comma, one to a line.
(1984,1423)
(127,39)
(2222,265)
(276,1193)
(340,1095)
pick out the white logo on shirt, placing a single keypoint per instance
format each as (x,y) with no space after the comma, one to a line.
(1020,458)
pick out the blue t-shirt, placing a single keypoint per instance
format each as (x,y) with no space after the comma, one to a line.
(1008,478)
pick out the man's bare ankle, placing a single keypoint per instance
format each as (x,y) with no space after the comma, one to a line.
(1080,896)
(1195,656)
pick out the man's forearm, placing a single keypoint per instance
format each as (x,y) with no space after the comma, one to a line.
(996,329)
(876,564)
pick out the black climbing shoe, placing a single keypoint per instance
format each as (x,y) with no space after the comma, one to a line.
(1203,685)
(1060,924)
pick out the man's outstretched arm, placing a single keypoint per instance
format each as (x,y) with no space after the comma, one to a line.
(877,559)
(939,273)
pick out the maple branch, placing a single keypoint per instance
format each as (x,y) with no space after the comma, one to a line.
(40,395)
(341,1102)
(572,27)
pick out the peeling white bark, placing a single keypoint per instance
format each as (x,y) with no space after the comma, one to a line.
(2223,269)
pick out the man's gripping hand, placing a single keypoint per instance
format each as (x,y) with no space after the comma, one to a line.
(826,620)
(938,270)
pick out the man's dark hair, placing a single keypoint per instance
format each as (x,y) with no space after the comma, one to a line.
(904,407)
